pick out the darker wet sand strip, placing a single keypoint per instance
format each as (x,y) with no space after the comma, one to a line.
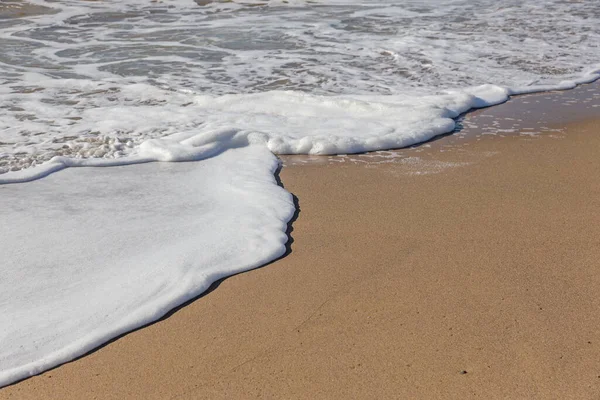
(477,279)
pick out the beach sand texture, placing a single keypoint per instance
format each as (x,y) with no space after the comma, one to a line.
(468,270)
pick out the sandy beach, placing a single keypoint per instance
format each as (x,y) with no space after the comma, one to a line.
(466,268)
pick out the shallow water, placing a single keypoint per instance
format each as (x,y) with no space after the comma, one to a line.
(96,79)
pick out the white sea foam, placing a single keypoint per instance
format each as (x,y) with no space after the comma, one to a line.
(90,253)
(95,80)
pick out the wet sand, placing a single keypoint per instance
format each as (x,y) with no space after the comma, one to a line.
(465,268)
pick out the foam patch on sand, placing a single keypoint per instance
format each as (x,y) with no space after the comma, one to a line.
(90,254)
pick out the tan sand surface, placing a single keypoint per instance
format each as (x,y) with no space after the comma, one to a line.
(469,269)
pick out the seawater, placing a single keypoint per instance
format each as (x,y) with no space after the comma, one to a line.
(95,80)
(88,254)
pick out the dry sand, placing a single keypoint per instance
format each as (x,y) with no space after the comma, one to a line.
(469,268)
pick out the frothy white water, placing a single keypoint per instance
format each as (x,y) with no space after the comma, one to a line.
(97,79)
(90,253)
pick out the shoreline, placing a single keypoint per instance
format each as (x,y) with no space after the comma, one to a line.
(300,306)
(529,115)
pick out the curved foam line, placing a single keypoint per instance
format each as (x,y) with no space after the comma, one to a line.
(194,147)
